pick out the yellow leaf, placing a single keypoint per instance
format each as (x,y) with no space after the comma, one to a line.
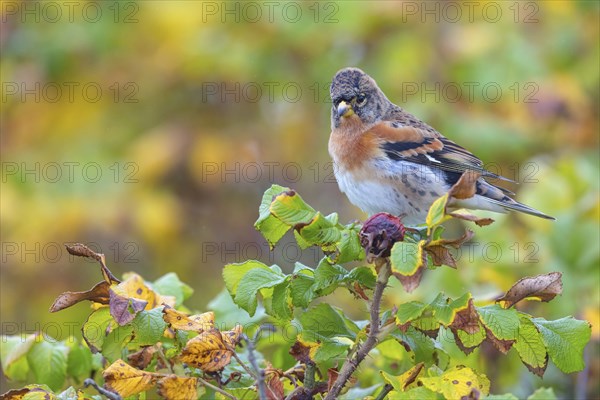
(198,323)
(400,383)
(232,337)
(207,351)
(174,387)
(135,287)
(122,378)
(458,382)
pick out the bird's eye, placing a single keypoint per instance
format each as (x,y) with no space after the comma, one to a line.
(361,99)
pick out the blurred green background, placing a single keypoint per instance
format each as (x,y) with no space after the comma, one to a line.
(150,129)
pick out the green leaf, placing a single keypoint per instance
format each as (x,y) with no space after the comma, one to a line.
(406,258)
(302,290)
(409,311)
(149,327)
(69,394)
(272,230)
(321,231)
(290,209)
(251,283)
(328,277)
(363,275)
(503,323)
(324,321)
(264,210)
(79,363)
(422,346)
(48,361)
(445,309)
(349,247)
(437,212)
(116,342)
(13,354)
(268,225)
(530,346)
(229,314)
(506,396)
(543,394)
(471,340)
(94,328)
(280,302)
(233,273)
(418,393)
(170,285)
(565,340)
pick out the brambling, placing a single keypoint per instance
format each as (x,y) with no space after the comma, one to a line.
(387,160)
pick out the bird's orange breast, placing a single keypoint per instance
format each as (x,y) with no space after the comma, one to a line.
(351,146)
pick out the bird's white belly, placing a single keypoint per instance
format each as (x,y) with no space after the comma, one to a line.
(403,196)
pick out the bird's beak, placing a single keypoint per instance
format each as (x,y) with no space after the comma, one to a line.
(344,109)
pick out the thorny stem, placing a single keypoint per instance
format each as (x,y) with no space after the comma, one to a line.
(363,350)
(260,373)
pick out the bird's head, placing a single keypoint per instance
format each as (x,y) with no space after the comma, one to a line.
(356,94)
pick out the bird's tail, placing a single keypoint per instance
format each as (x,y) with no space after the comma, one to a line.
(492,198)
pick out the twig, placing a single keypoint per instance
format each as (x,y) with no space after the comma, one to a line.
(107,393)
(384,392)
(163,358)
(352,363)
(216,389)
(239,360)
(260,373)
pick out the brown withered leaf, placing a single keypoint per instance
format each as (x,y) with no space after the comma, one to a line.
(274,386)
(539,371)
(332,375)
(440,252)
(125,380)
(98,294)
(124,309)
(465,188)
(412,282)
(183,322)
(501,345)
(471,217)
(81,250)
(142,358)
(543,287)
(301,352)
(18,394)
(173,387)
(467,319)
(208,351)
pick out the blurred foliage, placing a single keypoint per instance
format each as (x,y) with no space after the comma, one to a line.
(179,165)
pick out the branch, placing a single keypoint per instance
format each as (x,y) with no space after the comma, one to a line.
(216,389)
(363,350)
(239,360)
(260,373)
(107,393)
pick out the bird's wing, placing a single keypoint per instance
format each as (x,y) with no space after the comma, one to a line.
(425,146)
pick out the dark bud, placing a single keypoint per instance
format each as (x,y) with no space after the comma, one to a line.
(379,233)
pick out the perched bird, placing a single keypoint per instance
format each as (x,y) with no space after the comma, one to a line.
(387,160)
